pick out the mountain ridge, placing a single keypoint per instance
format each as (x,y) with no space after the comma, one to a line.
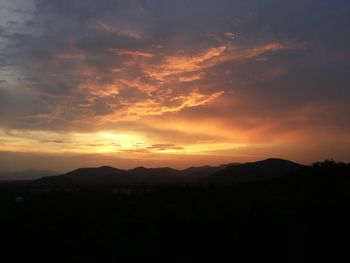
(254,171)
(226,173)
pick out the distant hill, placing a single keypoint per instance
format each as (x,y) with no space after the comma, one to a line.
(195,173)
(106,175)
(25,175)
(254,171)
(228,173)
(154,175)
(91,174)
(88,176)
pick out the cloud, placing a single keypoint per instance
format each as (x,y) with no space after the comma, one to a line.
(230,35)
(124,30)
(101,64)
(171,104)
(164,147)
(198,74)
(131,53)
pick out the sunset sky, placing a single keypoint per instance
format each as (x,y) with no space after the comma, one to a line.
(172,82)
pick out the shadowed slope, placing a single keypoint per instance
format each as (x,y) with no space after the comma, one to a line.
(94,176)
(254,171)
(110,176)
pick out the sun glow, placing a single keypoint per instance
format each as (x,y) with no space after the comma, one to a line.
(99,142)
(117,141)
(129,144)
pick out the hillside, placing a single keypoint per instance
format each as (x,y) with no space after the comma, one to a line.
(141,176)
(254,171)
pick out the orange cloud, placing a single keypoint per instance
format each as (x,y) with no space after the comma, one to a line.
(122,30)
(177,64)
(130,53)
(191,77)
(154,107)
(181,64)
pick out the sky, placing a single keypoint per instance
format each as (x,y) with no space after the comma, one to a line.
(172,82)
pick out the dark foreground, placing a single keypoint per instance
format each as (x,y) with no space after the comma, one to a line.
(303,217)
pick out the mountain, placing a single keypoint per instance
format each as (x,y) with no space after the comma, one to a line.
(154,175)
(92,174)
(228,173)
(104,175)
(25,175)
(254,171)
(195,173)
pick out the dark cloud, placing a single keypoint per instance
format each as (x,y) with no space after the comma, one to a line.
(55,141)
(3,62)
(16,108)
(164,147)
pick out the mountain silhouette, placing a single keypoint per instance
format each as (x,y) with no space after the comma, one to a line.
(254,171)
(200,172)
(94,173)
(154,175)
(89,176)
(227,173)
